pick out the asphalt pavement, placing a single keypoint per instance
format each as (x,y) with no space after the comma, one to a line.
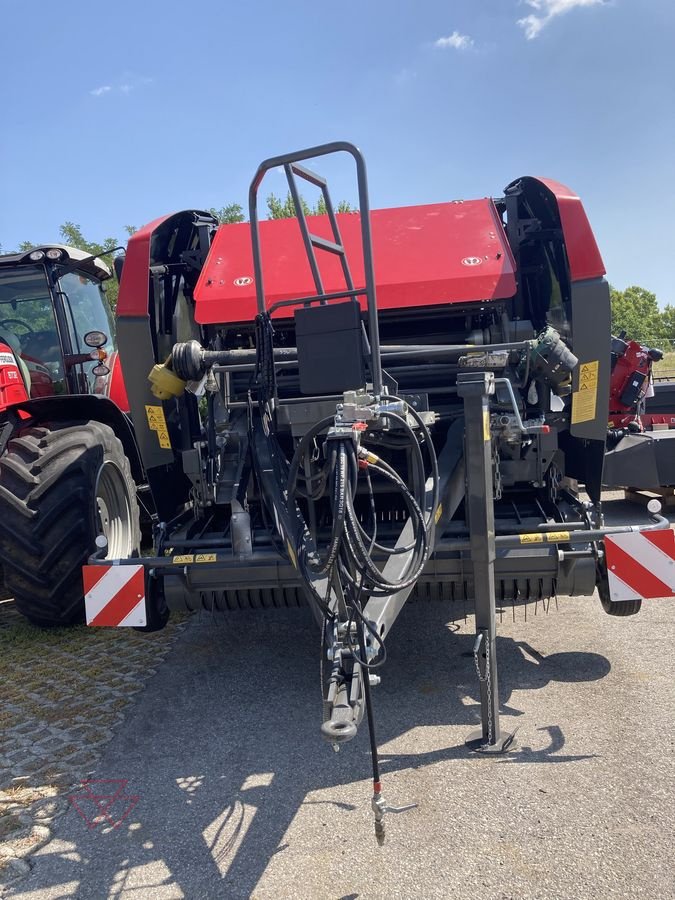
(226,789)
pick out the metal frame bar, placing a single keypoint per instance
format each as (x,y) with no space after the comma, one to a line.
(475,389)
(288,162)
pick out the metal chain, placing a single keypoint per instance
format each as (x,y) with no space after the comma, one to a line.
(476,649)
(497,475)
(554,482)
(487,678)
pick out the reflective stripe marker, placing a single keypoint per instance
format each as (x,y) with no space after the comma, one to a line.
(114,595)
(641,565)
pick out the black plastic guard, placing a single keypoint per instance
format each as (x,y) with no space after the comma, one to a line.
(644,461)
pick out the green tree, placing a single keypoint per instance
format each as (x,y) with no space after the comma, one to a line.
(668,327)
(228,215)
(636,311)
(285,209)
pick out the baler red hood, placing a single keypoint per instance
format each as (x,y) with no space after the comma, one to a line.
(424,256)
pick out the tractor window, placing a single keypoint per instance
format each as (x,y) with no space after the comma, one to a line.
(87,310)
(28,325)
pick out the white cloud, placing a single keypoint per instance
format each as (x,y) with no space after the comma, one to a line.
(545,10)
(455,40)
(129,83)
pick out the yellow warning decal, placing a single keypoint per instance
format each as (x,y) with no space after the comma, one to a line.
(291,553)
(439,513)
(584,400)
(531,538)
(486,425)
(157,422)
(181,560)
(552,537)
(205,557)
(164,441)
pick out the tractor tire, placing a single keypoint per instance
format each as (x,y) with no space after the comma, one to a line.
(60,486)
(614,607)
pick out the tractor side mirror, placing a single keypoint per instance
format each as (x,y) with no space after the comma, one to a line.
(118,265)
(96,339)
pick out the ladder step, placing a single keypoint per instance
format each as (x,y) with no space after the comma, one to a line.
(308,175)
(324,244)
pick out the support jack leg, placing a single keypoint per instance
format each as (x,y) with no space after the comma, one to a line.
(475,389)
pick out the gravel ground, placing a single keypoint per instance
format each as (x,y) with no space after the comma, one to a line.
(231,793)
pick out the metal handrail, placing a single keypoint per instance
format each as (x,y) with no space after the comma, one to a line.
(288,161)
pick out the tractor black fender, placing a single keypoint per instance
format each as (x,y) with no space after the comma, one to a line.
(83,408)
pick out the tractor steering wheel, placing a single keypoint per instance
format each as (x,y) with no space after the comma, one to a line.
(9,322)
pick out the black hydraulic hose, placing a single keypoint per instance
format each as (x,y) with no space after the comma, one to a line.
(350,546)
(339,499)
(363,558)
(393,551)
(374,754)
(301,449)
(431,451)
(416,451)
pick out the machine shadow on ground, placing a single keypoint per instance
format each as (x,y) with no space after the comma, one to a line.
(224,748)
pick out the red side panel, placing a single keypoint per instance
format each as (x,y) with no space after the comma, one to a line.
(12,387)
(115,387)
(133,294)
(582,250)
(424,256)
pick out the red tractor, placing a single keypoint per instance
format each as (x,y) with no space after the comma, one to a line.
(67,452)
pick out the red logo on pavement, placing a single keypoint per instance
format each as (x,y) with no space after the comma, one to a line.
(103,800)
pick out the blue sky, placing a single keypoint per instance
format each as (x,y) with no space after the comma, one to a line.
(113,114)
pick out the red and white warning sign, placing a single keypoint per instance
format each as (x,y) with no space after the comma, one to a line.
(641,564)
(114,595)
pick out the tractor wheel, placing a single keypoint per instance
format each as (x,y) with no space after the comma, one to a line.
(614,607)
(60,486)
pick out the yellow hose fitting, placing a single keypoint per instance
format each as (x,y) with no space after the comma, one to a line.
(165,383)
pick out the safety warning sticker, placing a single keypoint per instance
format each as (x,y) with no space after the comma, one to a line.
(584,399)
(206,557)
(551,537)
(555,537)
(157,422)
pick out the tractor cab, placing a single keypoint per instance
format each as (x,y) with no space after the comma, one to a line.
(56,320)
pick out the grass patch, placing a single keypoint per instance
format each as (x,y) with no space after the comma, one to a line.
(665,368)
